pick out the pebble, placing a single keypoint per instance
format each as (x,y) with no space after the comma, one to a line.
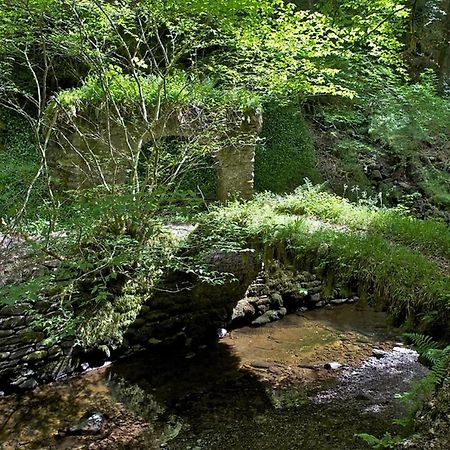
(332,365)
(221,333)
(378,353)
(260,365)
(339,301)
(402,350)
(90,424)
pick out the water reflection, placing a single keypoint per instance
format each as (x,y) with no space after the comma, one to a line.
(216,398)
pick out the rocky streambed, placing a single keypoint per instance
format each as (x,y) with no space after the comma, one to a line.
(309,381)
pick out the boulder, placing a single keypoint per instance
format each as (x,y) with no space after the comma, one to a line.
(196,307)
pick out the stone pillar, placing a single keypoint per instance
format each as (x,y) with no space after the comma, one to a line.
(236,160)
(235,173)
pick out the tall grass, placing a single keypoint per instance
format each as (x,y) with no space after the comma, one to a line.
(378,251)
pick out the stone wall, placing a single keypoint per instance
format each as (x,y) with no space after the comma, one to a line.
(26,358)
(185,311)
(188,311)
(273,295)
(87,152)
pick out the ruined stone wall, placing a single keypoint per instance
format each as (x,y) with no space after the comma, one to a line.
(26,356)
(92,152)
(236,160)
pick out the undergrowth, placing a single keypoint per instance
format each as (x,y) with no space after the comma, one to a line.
(19,164)
(377,251)
(115,251)
(393,224)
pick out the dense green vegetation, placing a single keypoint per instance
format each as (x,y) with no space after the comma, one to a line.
(286,155)
(350,97)
(371,251)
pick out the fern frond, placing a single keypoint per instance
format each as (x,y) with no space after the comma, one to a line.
(439,359)
(422,342)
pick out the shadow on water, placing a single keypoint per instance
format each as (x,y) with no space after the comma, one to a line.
(210,400)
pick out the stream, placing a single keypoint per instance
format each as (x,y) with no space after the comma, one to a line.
(309,381)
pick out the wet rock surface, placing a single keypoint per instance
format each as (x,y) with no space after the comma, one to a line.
(373,385)
(273,294)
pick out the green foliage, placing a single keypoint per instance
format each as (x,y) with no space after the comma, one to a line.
(438,358)
(410,116)
(392,224)
(19,164)
(128,92)
(268,45)
(409,285)
(436,184)
(347,152)
(286,157)
(387,441)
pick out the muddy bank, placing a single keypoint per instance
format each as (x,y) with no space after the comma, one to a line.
(267,388)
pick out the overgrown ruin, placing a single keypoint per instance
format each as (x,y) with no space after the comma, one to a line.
(102,149)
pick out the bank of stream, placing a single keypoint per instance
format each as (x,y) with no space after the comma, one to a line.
(309,381)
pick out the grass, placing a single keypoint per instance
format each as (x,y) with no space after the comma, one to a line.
(123,89)
(436,185)
(378,251)
(389,257)
(429,236)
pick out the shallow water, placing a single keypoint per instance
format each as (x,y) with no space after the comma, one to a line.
(259,388)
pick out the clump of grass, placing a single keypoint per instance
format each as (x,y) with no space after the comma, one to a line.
(436,184)
(127,92)
(393,224)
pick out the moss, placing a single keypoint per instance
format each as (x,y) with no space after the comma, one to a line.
(110,320)
(286,157)
(19,164)
(436,184)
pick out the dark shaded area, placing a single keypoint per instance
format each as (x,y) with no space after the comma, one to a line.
(208,400)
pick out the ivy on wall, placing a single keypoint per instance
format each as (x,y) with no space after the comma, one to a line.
(286,156)
(19,163)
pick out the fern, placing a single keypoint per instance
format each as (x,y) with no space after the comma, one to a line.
(387,441)
(437,358)
(422,342)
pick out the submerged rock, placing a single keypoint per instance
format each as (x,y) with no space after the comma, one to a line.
(269,316)
(261,365)
(90,423)
(378,353)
